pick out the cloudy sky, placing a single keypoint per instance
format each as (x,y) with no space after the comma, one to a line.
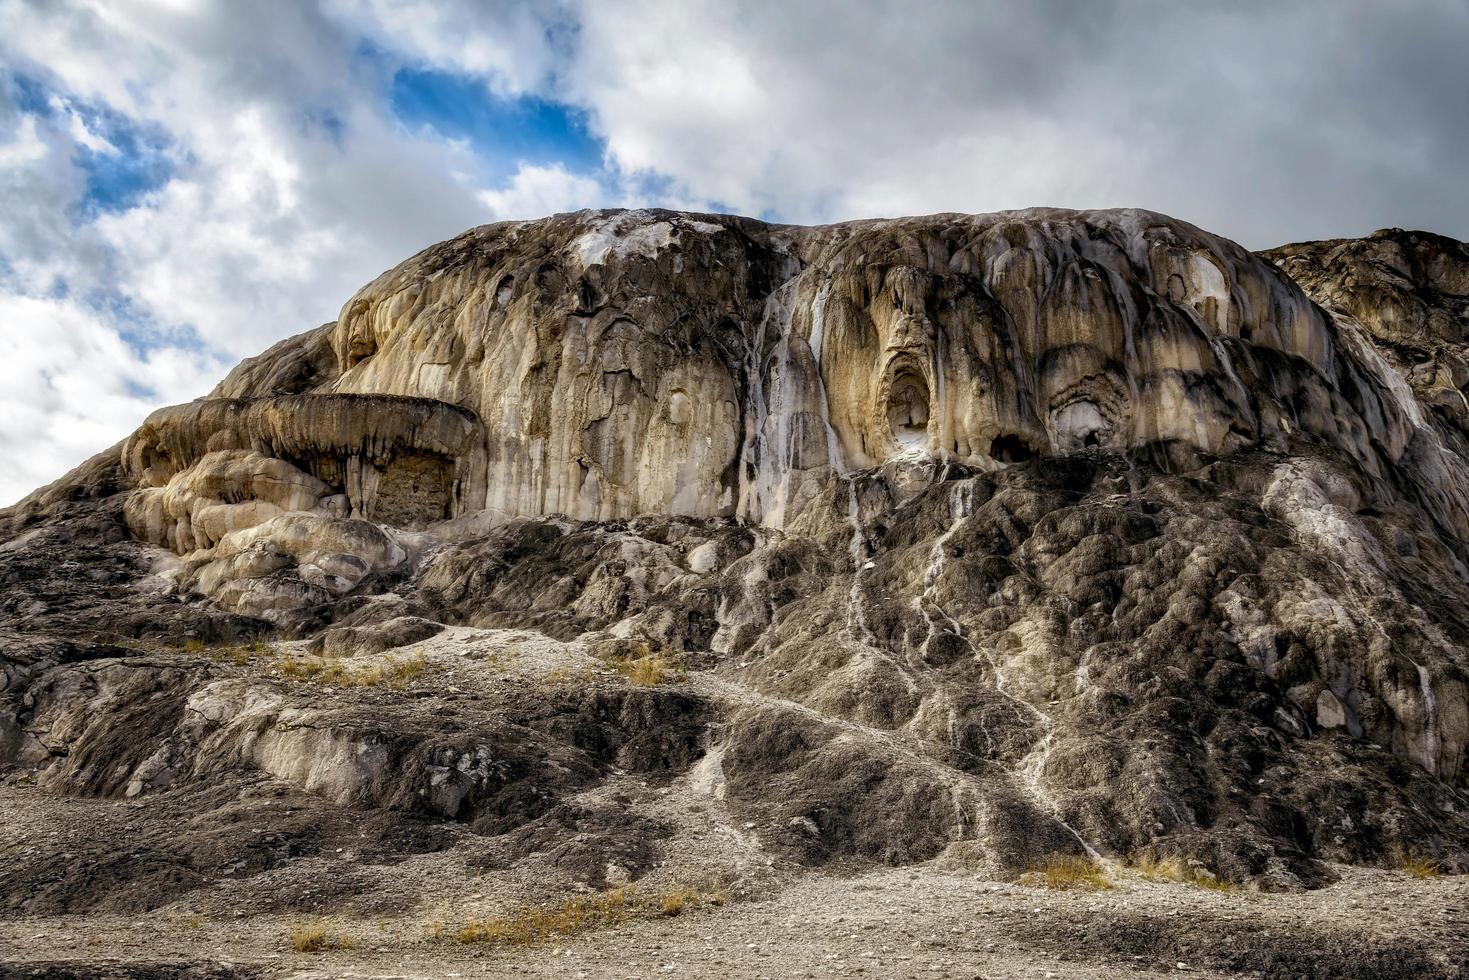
(184,182)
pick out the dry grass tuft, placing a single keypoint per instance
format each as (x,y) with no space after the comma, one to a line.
(646,671)
(681,900)
(238,654)
(1176,869)
(1068,872)
(569,675)
(530,925)
(1417,865)
(641,664)
(502,659)
(315,938)
(1213,883)
(388,672)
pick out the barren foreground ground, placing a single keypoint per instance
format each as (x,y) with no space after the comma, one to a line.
(912,922)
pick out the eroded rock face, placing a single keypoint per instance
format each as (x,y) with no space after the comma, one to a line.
(402,461)
(1410,291)
(291,561)
(606,364)
(618,360)
(980,537)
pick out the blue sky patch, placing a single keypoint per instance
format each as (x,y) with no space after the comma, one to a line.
(135,390)
(30,95)
(503,132)
(140,331)
(140,161)
(140,157)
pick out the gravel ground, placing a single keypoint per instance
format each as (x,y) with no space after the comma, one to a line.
(779,922)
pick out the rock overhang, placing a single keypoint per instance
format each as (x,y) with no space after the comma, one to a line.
(221,463)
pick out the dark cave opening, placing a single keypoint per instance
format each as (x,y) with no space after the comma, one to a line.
(908,411)
(1010,448)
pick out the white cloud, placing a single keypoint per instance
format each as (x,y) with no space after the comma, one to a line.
(1264,122)
(82,134)
(69,386)
(24,147)
(270,220)
(536,191)
(508,42)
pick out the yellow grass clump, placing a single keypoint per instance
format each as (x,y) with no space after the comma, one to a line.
(646,671)
(641,664)
(1178,870)
(387,672)
(569,675)
(529,925)
(1417,865)
(316,937)
(1068,872)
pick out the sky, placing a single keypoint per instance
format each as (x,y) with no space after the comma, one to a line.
(183,183)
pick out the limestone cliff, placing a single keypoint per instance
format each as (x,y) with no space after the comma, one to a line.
(982,536)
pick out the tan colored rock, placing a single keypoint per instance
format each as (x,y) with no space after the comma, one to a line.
(605,364)
(290,561)
(1407,287)
(399,460)
(624,362)
(602,365)
(224,491)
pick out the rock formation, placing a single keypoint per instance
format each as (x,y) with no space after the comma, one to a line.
(626,363)
(981,537)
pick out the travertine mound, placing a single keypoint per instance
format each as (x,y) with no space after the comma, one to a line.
(1410,291)
(633,362)
(978,538)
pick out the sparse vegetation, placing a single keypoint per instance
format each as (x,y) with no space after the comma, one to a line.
(568,675)
(241,655)
(1178,870)
(389,671)
(681,900)
(238,654)
(1417,865)
(316,937)
(646,671)
(640,663)
(583,913)
(1068,872)
(526,926)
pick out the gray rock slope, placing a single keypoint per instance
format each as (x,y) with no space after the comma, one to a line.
(979,537)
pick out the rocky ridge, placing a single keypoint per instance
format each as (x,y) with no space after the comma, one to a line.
(973,539)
